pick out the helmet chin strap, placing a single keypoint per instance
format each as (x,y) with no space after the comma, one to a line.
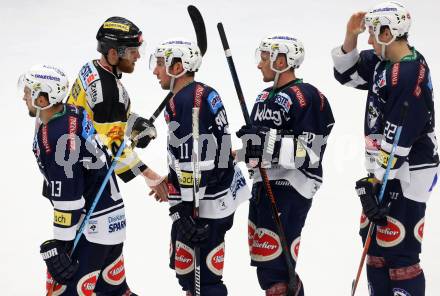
(114,67)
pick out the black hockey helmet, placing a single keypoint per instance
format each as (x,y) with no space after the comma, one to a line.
(118,33)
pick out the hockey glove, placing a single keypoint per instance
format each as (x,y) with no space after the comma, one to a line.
(375,213)
(59,264)
(181,214)
(143,132)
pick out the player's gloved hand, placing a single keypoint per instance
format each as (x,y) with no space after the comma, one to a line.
(58,262)
(375,213)
(181,214)
(143,132)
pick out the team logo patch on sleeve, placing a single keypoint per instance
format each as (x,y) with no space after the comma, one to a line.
(114,274)
(184,259)
(364,221)
(390,235)
(214,101)
(265,246)
(86,285)
(58,289)
(418,230)
(216,259)
(294,248)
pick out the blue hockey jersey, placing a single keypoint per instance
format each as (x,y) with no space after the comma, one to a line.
(74,165)
(222,184)
(389,85)
(302,109)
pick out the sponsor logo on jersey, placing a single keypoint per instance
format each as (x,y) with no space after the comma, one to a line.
(384,9)
(92,227)
(47,77)
(88,75)
(294,248)
(114,274)
(183,259)
(400,292)
(73,127)
(198,95)
(268,114)
(216,259)
(390,235)
(284,101)
(299,96)
(418,230)
(420,78)
(251,233)
(238,182)
(262,97)
(116,26)
(45,139)
(373,114)
(364,221)
(186,179)
(220,119)
(214,101)
(383,157)
(61,218)
(58,289)
(395,74)
(265,246)
(87,284)
(116,223)
(87,126)
(76,90)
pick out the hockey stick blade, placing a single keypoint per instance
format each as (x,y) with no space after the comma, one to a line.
(199,28)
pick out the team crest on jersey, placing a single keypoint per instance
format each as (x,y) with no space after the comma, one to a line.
(266,245)
(114,274)
(262,97)
(364,221)
(294,248)
(183,259)
(390,235)
(284,101)
(86,285)
(214,101)
(400,292)
(216,259)
(58,289)
(88,75)
(418,230)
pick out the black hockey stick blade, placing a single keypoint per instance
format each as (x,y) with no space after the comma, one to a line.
(199,27)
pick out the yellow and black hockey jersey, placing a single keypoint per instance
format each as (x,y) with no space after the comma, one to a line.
(106,101)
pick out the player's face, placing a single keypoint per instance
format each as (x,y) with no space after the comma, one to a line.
(128,61)
(264,66)
(373,42)
(161,73)
(28,99)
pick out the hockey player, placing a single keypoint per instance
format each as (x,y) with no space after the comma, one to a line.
(98,89)
(74,164)
(290,124)
(222,185)
(393,72)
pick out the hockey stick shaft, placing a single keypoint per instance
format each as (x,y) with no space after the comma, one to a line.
(263,172)
(104,183)
(195,165)
(380,197)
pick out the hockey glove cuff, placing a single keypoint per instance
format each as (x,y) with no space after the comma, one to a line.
(143,132)
(58,262)
(188,229)
(375,213)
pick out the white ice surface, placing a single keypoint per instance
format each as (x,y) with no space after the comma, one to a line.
(63,33)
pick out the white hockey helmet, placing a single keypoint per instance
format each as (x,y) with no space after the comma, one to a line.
(391,14)
(291,47)
(47,79)
(187,51)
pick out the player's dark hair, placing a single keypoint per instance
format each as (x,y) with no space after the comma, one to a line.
(401,38)
(179,60)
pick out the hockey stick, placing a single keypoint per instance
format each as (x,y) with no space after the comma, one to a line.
(195,165)
(266,183)
(104,183)
(380,197)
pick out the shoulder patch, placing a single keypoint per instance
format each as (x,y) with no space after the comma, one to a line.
(87,126)
(420,78)
(262,97)
(214,101)
(299,96)
(88,74)
(395,74)
(283,100)
(94,93)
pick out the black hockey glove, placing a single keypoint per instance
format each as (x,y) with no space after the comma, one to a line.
(181,214)
(143,132)
(375,213)
(59,264)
